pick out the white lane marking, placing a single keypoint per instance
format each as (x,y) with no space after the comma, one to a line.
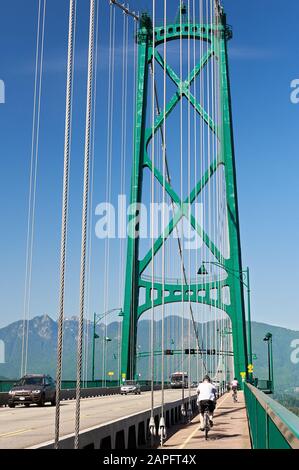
(14,433)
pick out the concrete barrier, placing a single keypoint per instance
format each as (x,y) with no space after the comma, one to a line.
(129,432)
(70,394)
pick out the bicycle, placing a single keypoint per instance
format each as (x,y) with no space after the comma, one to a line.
(206,421)
(235,396)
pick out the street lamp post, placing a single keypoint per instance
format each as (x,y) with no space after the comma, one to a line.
(249,317)
(94,337)
(96,320)
(106,341)
(245,280)
(268,339)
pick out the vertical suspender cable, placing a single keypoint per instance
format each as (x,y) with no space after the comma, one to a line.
(208,166)
(189,207)
(181,197)
(124,118)
(90,201)
(152,320)
(33,181)
(196,175)
(84,217)
(30,190)
(109,174)
(162,429)
(65,199)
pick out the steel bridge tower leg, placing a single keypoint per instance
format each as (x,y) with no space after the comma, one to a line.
(129,332)
(237,311)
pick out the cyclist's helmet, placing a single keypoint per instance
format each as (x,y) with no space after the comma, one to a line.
(207,378)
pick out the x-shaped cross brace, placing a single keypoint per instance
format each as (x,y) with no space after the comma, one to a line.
(183,207)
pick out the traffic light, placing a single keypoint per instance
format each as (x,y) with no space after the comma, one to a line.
(169,352)
(190,351)
(211,352)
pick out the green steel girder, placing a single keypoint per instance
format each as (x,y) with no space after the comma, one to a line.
(165,293)
(201,32)
(183,211)
(234,263)
(170,292)
(183,90)
(131,300)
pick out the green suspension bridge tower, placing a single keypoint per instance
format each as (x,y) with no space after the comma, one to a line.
(216,37)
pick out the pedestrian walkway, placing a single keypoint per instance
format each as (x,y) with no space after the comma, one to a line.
(230,429)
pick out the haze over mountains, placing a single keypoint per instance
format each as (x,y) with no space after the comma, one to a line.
(43,336)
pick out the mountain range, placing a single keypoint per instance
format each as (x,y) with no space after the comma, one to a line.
(42,348)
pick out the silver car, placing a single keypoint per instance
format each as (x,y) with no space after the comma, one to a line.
(130,386)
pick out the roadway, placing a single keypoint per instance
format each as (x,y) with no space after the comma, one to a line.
(230,429)
(22,427)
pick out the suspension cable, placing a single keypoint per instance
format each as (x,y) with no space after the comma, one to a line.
(65,200)
(30,194)
(91,197)
(33,179)
(84,217)
(126,10)
(152,424)
(109,157)
(124,120)
(162,428)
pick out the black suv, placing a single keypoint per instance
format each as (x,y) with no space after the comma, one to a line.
(31,389)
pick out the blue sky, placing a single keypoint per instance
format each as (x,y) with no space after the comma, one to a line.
(263,55)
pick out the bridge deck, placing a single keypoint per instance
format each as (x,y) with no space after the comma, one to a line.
(25,427)
(230,429)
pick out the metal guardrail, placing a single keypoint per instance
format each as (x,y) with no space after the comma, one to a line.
(70,394)
(6,385)
(271,425)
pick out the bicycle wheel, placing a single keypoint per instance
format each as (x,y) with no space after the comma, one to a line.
(207,425)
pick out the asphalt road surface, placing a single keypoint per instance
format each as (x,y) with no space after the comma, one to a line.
(22,427)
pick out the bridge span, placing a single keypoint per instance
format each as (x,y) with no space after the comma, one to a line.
(22,427)
(122,422)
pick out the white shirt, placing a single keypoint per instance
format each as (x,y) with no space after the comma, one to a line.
(235,383)
(206,391)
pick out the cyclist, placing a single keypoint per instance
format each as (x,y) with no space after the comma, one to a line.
(234,386)
(206,398)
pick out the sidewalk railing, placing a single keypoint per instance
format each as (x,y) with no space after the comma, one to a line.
(271,425)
